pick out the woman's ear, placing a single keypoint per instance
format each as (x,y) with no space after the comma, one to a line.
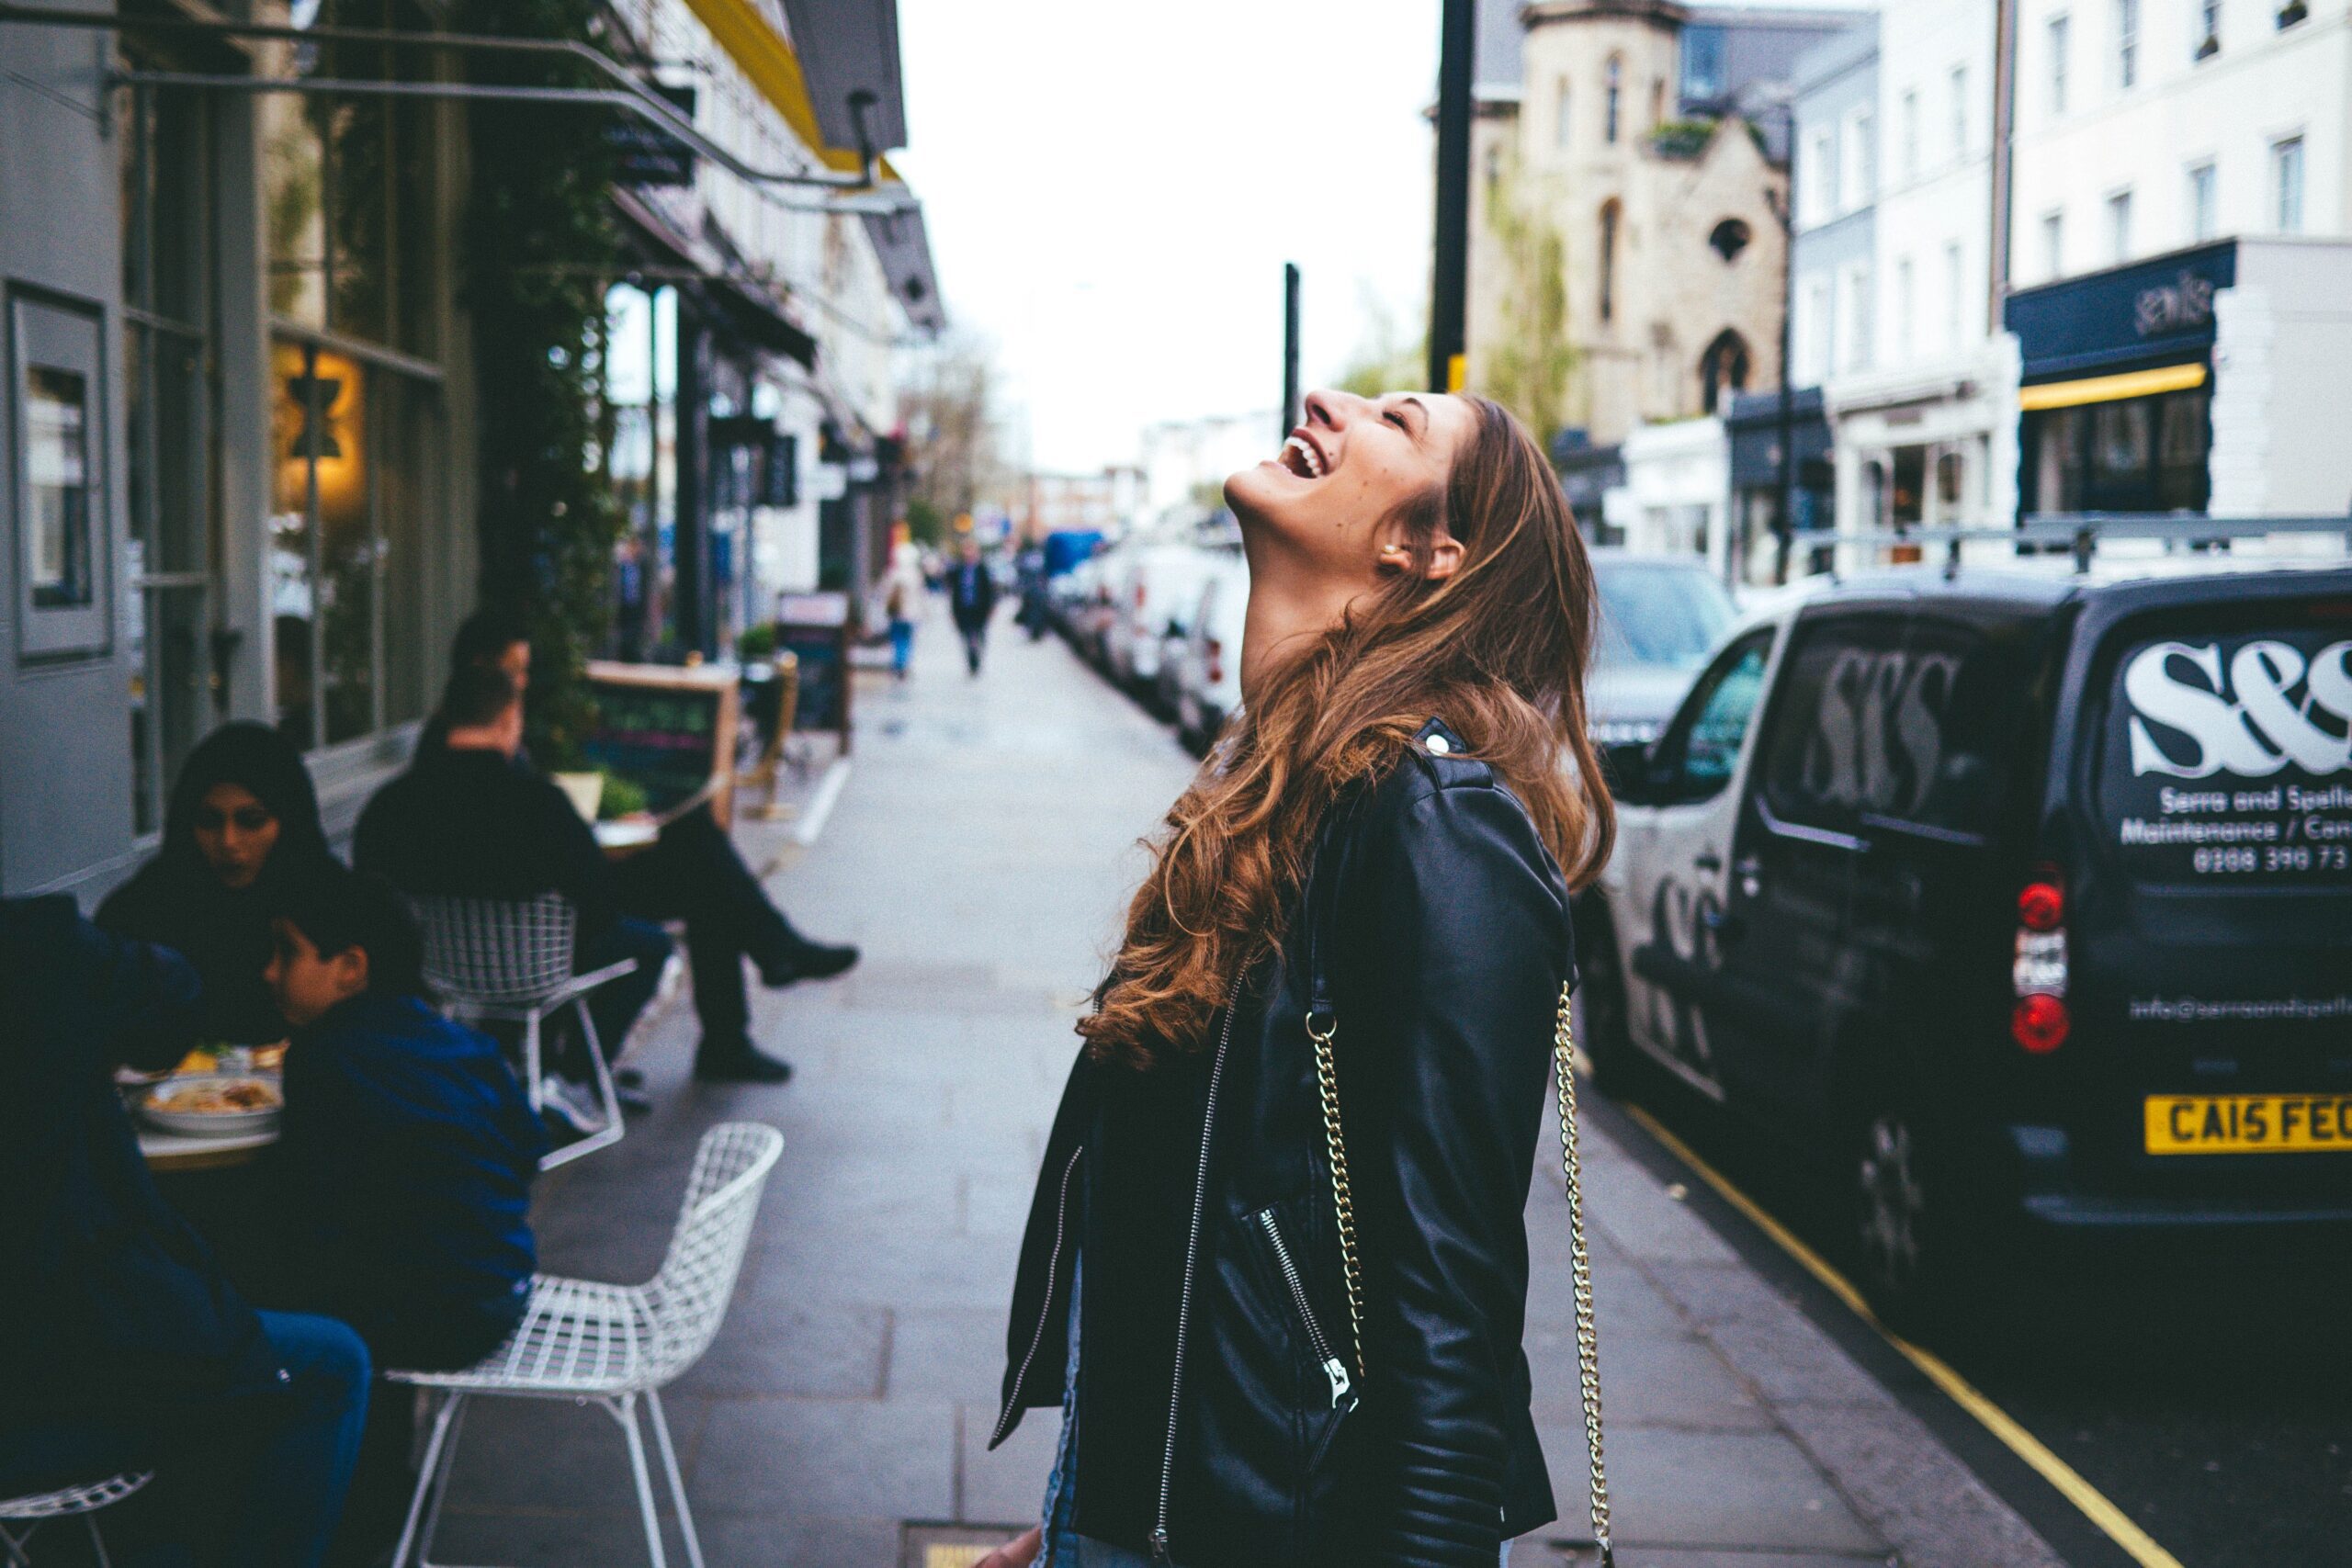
(1445,556)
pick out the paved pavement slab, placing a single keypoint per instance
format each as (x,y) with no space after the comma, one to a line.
(980,853)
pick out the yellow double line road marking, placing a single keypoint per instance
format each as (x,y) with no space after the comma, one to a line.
(2094,1505)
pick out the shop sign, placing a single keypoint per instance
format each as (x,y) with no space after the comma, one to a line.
(2121,316)
(2185,304)
(647,154)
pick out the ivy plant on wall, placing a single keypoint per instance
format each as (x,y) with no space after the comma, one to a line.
(541,245)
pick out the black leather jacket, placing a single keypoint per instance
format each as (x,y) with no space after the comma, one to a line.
(1438,926)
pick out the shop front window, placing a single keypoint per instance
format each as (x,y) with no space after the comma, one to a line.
(357,468)
(2134,454)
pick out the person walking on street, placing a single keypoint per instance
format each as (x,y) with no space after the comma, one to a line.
(1356,919)
(971,599)
(902,592)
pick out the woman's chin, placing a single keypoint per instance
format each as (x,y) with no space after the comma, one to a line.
(1255,492)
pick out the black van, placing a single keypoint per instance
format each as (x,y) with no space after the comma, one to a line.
(2025,902)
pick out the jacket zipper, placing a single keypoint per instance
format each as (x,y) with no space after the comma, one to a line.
(1160,1553)
(1045,1312)
(1342,1388)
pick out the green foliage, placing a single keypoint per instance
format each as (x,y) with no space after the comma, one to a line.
(541,245)
(755,642)
(621,798)
(926,521)
(1526,369)
(1682,138)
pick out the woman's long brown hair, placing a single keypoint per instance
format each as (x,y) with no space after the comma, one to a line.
(1498,649)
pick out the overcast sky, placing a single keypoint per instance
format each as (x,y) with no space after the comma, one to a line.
(1112,187)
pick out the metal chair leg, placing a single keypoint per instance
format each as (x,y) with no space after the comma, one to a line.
(98,1542)
(14,1544)
(624,1410)
(677,1482)
(425,1504)
(531,1070)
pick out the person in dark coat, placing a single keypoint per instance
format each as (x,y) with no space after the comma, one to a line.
(405,1163)
(467,820)
(242,819)
(971,599)
(692,872)
(125,1348)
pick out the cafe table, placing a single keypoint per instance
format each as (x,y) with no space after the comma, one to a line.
(173,1153)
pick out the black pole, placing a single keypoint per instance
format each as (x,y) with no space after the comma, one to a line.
(1449,277)
(1784,525)
(1290,351)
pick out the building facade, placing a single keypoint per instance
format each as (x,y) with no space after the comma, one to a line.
(1919,376)
(2183,208)
(240,413)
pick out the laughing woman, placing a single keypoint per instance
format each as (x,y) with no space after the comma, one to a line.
(1373,867)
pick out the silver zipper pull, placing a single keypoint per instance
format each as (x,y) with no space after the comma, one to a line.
(1159,1548)
(1337,1370)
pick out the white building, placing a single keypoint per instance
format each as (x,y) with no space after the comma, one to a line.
(2183,206)
(1677,485)
(1186,461)
(1920,378)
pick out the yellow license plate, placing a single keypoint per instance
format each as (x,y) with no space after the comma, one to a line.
(2248,1123)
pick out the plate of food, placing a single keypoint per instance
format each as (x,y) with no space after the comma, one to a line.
(214,1105)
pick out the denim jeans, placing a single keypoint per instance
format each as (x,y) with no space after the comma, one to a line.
(292,1450)
(902,645)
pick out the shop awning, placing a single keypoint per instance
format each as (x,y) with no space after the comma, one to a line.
(903,245)
(776,70)
(848,49)
(2110,389)
(743,304)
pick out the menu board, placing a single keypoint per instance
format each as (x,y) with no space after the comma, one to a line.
(2227,759)
(669,730)
(814,628)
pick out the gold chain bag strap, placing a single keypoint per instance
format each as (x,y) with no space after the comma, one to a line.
(1322,1030)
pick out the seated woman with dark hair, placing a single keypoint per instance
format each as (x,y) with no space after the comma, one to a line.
(243,820)
(408,1149)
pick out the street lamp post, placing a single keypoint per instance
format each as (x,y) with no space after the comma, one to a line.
(1450,273)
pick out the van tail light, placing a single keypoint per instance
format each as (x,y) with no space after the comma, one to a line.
(1216,652)
(2038,971)
(2039,1023)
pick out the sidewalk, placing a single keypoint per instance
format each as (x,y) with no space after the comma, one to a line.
(979,853)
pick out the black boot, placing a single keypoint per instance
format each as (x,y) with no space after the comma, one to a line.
(800,959)
(739,1060)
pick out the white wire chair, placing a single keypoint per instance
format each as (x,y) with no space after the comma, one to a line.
(36,1508)
(510,959)
(617,1345)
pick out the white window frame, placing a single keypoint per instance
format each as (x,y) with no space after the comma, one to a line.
(2127,44)
(2053,244)
(2117,207)
(1910,127)
(1906,303)
(2056,44)
(2204,200)
(1957,80)
(1952,291)
(2289,156)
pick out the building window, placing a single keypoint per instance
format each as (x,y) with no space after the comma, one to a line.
(1728,238)
(2286,184)
(1610,94)
(1857,162)
(2058,28)
(1608,214)
(2202,222)
(1815,201)
(2053,244)
(2127,44)
(1703,63)
(1911,134)
(1856,288)
(357,476)
(1820,328)
(2209,30)
(1722,369)
(1959,112)
(2118,226)
(1951,294)
(1904,345)
(167,224)
(1561,123)
(2135,455)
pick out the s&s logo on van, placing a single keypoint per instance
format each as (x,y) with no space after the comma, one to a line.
(2229,759)
(2268,708)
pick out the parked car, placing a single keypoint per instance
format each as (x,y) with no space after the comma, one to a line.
(1151,581)
(1659,618)
(1082,607)
(1207,664)
(2019,903)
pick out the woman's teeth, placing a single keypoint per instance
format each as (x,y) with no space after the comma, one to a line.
(1302,459)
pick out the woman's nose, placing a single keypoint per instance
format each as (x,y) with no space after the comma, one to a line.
(1325,406)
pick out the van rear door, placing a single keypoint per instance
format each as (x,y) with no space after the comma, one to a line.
(2209,912)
